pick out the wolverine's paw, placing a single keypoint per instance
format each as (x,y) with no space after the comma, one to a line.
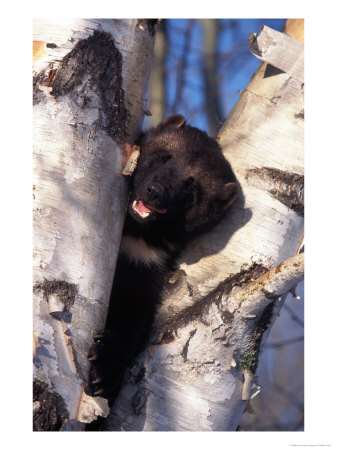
(107,366)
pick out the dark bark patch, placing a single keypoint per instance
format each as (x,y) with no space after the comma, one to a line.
(45,78)
(91,76)
(38,94)
(50,78)
(185,349)
(94,69)
(136,376)
(139,401)
(249,360)
(271,71)
(42,350)
(50,411)
(65,291)
(300,115)
(65,315)
(196,311)
(77,360)
(287,187)
(227,316)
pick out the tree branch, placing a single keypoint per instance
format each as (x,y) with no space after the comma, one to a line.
(271,285)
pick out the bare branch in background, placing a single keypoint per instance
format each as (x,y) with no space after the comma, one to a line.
(157,86)
(210,70)
(286,342)
(281,390)
(294,316)
(181,67)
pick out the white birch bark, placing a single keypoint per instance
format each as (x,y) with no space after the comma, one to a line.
(90,78)
(199,370)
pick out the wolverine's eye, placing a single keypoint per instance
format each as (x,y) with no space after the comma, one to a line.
(162,156)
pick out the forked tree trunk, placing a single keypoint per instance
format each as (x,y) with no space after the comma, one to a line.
(90,78)
(198,374)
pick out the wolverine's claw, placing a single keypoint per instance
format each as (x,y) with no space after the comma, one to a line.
(100,391)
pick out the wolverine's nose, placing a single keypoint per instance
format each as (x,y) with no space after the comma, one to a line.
(155,191)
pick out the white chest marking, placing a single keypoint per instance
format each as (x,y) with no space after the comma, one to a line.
(140,252)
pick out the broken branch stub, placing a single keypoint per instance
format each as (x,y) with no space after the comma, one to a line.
(279,50)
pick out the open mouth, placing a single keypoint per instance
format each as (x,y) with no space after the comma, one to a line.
(144,209)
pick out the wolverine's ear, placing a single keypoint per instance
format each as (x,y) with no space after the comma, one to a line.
(176,121)
(230,194)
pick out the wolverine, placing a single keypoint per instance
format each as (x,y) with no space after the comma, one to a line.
(182,187)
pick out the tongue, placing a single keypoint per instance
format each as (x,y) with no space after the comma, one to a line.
(142,208)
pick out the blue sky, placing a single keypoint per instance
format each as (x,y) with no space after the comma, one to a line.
(234,75)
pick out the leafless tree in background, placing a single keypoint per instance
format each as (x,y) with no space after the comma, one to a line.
(157,92)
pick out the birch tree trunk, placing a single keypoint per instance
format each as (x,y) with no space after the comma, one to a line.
(90,78)
(198,373)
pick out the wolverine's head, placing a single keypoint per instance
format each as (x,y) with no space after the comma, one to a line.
(182,176)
